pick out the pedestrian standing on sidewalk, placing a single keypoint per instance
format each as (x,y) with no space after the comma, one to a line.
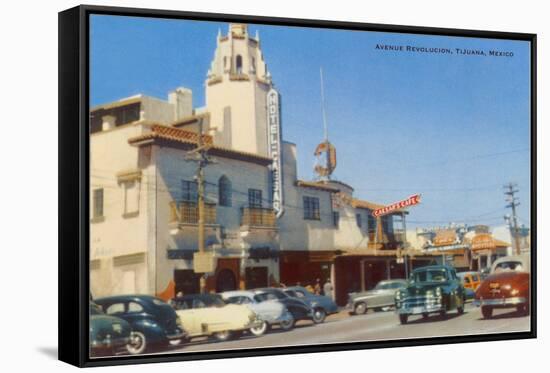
(317,288)
(327,288)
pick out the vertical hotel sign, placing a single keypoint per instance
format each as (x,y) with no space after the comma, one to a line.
(274,146)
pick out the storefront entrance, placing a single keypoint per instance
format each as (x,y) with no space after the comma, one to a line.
(255,277)
(186,281)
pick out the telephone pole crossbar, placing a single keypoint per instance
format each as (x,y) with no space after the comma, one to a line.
(510,191)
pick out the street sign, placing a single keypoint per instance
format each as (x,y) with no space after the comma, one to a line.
(204,262)
(411,201)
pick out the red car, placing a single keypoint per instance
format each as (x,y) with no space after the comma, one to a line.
(506,287)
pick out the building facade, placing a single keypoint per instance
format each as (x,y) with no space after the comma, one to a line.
(144,193)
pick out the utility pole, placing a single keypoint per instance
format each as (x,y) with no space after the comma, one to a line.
(200,155)
(510,191)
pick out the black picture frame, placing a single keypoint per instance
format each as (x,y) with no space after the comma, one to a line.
(74,183)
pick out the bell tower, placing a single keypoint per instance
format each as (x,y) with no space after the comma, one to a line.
(236,91)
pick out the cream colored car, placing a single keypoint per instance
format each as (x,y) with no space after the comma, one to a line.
(208,315)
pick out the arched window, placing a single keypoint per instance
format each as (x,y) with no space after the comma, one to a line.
(224,191)
(239,64)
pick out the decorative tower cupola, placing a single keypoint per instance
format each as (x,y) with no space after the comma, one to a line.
(236,91)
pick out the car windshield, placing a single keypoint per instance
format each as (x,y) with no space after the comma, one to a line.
(509,266)
(204,301)
(271,295)
(383,285)
(95,309)
(431,275)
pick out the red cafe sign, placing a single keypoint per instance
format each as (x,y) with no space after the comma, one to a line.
(411,201)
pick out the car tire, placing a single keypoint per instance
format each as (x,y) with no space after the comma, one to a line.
(487,312)
(288,324)
(319,315)
(443,313)
(223,336)
(138,343)
(360,308)
(261,330)
(523,309)
(403,319)
(425,315)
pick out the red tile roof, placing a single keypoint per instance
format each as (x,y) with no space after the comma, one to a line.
(160,132)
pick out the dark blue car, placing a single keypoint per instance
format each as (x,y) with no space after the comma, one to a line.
(154,322)
(320,304)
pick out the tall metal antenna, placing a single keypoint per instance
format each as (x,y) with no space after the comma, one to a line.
(323,104)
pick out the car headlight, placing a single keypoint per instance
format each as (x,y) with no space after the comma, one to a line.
(429,293)
(438,292)
(514,292)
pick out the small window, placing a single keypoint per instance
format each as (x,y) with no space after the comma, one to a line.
(239,64)
(311,208)
(135,307)
(254,198)
(224,191)
(189,191)
(98,203)
(336,219)
(115,308)
(371,221)
(253,61)
(197,303)
(358,220)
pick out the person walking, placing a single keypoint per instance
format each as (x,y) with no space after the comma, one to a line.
(328,288)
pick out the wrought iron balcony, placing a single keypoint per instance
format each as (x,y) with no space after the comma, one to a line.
(258,217)
(186,212)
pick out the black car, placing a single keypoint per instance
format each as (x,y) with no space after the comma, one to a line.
(299,309)
(108,334)
(154,323)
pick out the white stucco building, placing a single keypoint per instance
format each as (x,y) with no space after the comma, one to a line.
(143,207)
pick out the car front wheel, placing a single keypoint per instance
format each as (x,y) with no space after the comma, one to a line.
(403,319)
(319,315)
(287,324)
(138,343)
(360,308)
(487,312)
(259,330)
(222,336)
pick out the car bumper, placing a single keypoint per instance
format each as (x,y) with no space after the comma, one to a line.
(176,335)
(110,343)
(500,302)
(417,306)
(254,324)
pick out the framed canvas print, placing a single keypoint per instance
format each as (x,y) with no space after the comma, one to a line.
(234,186)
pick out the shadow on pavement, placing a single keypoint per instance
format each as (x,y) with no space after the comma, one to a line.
(506,315)
(436,318)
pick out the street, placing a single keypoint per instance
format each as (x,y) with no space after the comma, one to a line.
(370,327)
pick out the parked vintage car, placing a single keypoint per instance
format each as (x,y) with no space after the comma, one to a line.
(506,287)
(470,279)
(108,334)
(321,305)
(210,315)
(271,312)
(431,289)
(382,296)
(299,309)
(154,323)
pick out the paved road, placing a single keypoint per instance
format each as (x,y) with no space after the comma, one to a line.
(373,326)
